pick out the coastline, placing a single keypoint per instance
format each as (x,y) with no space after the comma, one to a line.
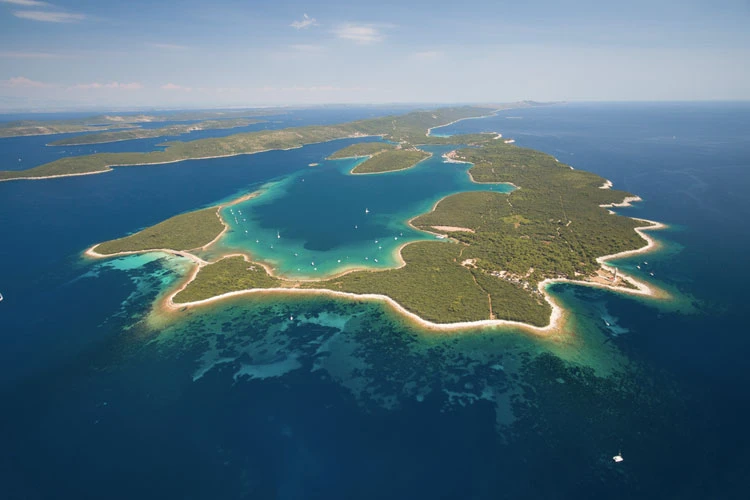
(109,168)
(186,132)
(557,315)
(45,177)
(352,171)
(493,113)
(555,324)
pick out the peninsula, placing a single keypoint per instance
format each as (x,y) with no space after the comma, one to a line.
(497,253)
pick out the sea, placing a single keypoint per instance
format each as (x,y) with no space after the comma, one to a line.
(272,397)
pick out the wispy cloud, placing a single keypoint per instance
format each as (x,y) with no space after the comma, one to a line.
(314,88)
(25,55)
(429,55)
(305,22)
(110,85)
(167,46)
(172,86)
(306,48)
(23,82)
(27,3)
(49,16)
(359,33)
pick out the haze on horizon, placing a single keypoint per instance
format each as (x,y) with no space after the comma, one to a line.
(72,54)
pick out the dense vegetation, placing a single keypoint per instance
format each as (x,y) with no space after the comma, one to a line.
(435,286)
(362,149)
(181,232)
(551,227)
(389,161)
(24,128)
(226,275)
(410,128)
(146,133)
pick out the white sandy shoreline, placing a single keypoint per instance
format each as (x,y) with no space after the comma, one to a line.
(493,113)
(556,317)
(352,171)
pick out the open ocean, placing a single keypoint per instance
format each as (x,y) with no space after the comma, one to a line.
(104,398)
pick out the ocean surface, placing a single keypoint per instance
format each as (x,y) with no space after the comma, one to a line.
(104,397)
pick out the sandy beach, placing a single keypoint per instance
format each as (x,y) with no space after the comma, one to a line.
(493,113)
(352,171)
(556,317)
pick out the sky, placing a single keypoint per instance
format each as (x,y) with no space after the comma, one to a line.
(82,54)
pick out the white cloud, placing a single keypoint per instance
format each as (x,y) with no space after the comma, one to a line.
(172,86)
(319,88)
(25,55)
(306,22)
(306,48)
(111,85)
(167,46)
(49,17)
(23,82)
(429,55)
(359,33)
(27,3)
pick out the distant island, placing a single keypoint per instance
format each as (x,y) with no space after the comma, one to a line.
(499,251)
(147,133)
(406,129)
(101,123)
(381,157)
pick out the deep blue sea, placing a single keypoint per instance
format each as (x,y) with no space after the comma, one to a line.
(103,397)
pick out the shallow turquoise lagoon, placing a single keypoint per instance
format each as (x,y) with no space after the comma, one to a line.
(321,220)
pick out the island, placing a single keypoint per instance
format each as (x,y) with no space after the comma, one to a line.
(381,157)
(148,133)
(101,123)
(390,161)
(362,149)
(495,255)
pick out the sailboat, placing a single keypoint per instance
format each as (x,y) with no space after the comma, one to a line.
(278,235)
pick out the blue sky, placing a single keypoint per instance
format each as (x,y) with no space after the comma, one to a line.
(78,53)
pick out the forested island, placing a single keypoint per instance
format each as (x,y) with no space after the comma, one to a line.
(107,122)
(147,133)
(390,161)
(362,149)
(498,249)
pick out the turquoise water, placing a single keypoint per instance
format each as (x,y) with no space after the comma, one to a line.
(103,397)
(322,220)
